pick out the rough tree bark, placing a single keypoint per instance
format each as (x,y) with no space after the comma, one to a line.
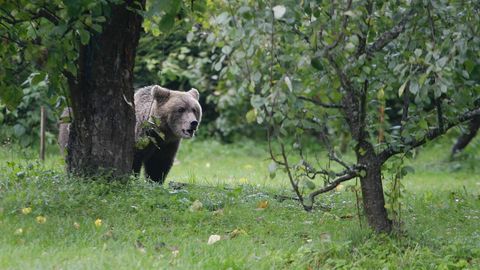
(372,188)
(102,132)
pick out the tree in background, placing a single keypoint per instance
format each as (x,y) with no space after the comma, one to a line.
(334,67)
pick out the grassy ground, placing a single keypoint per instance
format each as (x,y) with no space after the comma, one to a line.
(50,221)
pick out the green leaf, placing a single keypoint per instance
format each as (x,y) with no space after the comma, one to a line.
(100,19)
(414,87)
(97,27)
(142,143)
(257,101)
(309,184)
(381,94)
(251,116)
(423,124)
(226,49)
(442,61)
(217,66)
(19,130)
(223,18)
(11,97)
(84,36)
(350,13)
(350,47)
(423,78)
(402,88)
(316,62)
(167,22)
(38,77)
(289,83)
(418,52)
(190,36)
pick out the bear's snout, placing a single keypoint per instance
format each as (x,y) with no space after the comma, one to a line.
(194,124)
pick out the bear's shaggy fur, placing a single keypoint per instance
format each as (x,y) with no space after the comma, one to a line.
(163,118)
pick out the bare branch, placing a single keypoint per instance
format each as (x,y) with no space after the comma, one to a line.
(337,181)
(18,42)
(406,102)
(346,83)
(363,110)
(438,105)
(406,105)
(432,24)
(389,36)
(270,149)
(363,37)
(319,103)
(344,27)
(334,157)
(296,31)
(49,15)
(438,101)
(430,135)
(290,176)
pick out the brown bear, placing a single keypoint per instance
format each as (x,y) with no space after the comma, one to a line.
(163,118)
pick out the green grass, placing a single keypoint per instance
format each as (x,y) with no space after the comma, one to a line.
(147,226)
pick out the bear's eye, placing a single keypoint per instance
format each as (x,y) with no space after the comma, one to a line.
(194,111)
(181,110)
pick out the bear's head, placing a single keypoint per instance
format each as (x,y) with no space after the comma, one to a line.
(179,112)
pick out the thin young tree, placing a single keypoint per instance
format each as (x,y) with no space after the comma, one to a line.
(395,75)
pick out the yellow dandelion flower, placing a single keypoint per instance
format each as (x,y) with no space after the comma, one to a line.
(98,223)
(18,231)
(26,210)
(76,225)
(41,219)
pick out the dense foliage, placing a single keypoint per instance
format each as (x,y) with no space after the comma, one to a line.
(393,75)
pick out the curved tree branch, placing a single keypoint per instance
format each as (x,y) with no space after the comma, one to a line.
(337,181)
(344,27)
(388,36)
(430,135)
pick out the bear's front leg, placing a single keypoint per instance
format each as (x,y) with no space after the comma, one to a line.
(137,162)
(160,162)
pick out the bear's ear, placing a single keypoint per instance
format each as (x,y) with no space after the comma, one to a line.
(160,93)
(194,92)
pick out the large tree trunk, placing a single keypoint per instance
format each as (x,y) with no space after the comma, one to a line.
(102,132)
(372,189)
